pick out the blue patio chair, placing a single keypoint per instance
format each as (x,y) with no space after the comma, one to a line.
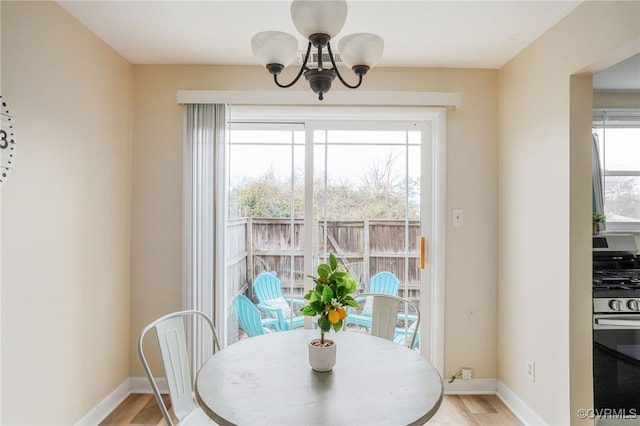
(381,283)
(268,291)
(250,318)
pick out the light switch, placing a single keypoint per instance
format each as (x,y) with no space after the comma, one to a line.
(458,218)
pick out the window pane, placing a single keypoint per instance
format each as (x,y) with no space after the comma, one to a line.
(367,205)
(265,212)
(622,198)
(620,161)
(622,149)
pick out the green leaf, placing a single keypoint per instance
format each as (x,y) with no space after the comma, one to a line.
(333,262)
(317,305)
(339,275)
(313,296)
(337,326)
(350,301)
(324,270)
(308,310)
(324,324)
(327,294)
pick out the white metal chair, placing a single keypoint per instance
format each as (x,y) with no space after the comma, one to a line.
(384,282)
(171,334)
(389,322)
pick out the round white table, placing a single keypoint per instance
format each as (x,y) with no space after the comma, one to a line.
(267,380)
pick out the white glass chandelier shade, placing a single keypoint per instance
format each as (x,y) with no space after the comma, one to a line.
(274,47)
(318,17)
(360,49)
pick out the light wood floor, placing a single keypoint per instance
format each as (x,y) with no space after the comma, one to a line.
(456,410)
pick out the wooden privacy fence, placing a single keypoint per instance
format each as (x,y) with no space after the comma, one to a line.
(364,247)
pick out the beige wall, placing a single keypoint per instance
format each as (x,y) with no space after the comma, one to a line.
(65,217)
(471,285)
(544,258)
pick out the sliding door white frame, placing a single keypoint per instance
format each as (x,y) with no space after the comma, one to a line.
(432,122)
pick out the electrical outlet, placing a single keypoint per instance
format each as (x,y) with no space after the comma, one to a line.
(466,373)
(531,370)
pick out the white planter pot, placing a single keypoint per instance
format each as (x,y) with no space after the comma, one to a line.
(322,358)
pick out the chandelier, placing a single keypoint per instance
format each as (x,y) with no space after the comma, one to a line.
(318,21)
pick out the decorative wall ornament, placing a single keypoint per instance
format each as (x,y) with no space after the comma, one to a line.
(7,141)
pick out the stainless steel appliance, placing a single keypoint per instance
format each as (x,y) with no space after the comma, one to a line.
(616,325)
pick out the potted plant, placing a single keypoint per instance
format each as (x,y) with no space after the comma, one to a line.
(597,220)
(329,299)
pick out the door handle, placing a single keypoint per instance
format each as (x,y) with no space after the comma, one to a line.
(633,323)
(423,242)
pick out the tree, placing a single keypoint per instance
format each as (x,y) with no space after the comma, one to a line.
(381,196)
(621,196)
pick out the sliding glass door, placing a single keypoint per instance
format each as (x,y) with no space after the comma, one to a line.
(366,200)
(298,190)
(265,212)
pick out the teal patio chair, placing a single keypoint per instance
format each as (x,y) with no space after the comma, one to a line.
(381,283)
(268,290)
(250,318)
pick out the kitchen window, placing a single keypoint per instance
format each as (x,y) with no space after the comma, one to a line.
(617,132)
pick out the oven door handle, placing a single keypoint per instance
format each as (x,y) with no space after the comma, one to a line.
(620,322)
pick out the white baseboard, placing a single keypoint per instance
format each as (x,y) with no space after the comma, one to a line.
(142,385)
(106,406)
(495,386)
(111,402)
(471,386)
(518,406)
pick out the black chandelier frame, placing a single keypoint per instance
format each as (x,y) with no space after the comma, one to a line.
(320,79)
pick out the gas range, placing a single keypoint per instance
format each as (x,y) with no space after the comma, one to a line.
(616,325)
(616,274)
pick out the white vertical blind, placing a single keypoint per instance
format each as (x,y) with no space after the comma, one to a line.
(204,135)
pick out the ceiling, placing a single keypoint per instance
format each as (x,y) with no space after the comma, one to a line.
(447,33)
(622,76)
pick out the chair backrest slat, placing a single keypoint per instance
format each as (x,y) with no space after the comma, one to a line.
(383,321)
(173,346)
(385,316)
(171,334)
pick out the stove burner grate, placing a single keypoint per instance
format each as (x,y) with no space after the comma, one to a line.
(619,280)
